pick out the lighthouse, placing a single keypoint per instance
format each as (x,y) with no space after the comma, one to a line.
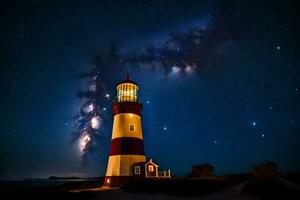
(127,146)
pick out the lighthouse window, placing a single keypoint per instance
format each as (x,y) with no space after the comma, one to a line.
(131,127)
(137,170)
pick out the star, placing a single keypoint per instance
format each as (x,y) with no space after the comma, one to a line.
(165,128)
(278,47)
(270,107)
(148,102)
(104,109)
(107,96)
(215,141)
(263,135)
(254,123)
(66,123)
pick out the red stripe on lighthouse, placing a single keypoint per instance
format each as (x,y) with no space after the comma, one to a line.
(127,146)
(127,107)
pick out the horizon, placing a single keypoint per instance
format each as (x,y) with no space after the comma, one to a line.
(219,83)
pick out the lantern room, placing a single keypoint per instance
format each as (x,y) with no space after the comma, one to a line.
(127,91)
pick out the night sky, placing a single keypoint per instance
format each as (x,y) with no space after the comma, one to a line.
(238,107)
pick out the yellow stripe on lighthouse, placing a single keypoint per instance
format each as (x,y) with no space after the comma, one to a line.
(121,126)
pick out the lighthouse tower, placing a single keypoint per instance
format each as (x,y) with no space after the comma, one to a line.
(127,146)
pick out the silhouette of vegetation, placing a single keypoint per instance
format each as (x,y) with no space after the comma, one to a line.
(202,170)
(266,183)
(266,170)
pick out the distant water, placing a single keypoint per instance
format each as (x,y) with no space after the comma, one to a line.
(30,184)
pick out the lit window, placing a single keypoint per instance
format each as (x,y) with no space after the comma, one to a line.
(137,170)
(108,180)
(150,168)
(131,127)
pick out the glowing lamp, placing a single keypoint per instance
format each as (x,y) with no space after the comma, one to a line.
(127,91)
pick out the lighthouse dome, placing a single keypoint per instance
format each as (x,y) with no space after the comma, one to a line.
(128,80)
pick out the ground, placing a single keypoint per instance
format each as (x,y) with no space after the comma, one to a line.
(212,188)
(232,193)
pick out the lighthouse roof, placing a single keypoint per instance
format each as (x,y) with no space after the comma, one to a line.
(128,80)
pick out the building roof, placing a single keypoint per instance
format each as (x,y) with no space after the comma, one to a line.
(146,163)
(140,163)
(151,162)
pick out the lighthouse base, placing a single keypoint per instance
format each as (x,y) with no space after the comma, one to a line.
(120,169)
(116,181)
